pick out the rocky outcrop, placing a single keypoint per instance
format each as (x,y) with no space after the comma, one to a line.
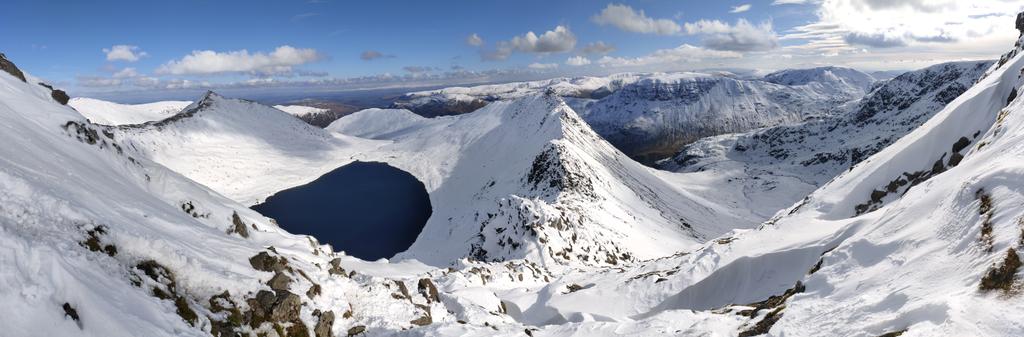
(10,68)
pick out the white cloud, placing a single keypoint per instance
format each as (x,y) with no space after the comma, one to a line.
(598,47)
(577,61)
(559,40)
(124,52)
(740,9)
(474,40)
(543,66)
(204,62)
(849,25)
(743,36)
(630,20)
(552,41)
(673,58)
(126,73)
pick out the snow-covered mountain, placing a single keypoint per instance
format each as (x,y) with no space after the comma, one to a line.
(918,239)
(259,150)
(517,179)
(97,240)
(841,83)
(460,100)
(783,164)
(650,119)
(318,116)
(110,113)
(528,178)
(649,116)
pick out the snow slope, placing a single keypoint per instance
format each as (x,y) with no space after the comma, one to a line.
(528,179)
(256,150)
(300,110)
(110,113)
(649,116)
(778,166)
(96,240)
(459,100)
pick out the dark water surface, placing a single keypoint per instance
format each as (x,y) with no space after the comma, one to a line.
(369,210)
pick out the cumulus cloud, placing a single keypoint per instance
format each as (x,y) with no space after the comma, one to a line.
(626,18)
(543,66)
(598,47)
(206,62)
(577,61)
(558,40)
(668,57)
(740,9)
(474,40)
(124,52)
(371,55)
(743,36)
(846,26)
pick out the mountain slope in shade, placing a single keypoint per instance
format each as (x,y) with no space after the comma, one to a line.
(110,113)
(780,165)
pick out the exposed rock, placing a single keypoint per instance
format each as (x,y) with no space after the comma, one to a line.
(265,262)
(313,291)
(68,309)
(424,320)
(280,281)
(237,226)
(58,95)
(286,307)
(336,268)
(356,330)
(10,68)
(1002,276)
(428,290)
(324,324)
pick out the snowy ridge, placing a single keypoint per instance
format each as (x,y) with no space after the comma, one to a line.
(134,249)
(649,116)
(779,165)
(842,83)
(459,100)
(260,150)
(110,113)
(562,194)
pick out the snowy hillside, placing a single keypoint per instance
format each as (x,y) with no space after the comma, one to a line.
(649,116)
(99,241)
(259,150)
(560,194)
(540,227)
(459,100)
(842,83)
(782,164)
(110,113)
(652,117)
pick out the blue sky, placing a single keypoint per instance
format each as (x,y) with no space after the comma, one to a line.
(104,46)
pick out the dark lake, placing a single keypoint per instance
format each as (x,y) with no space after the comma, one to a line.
(369,210)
